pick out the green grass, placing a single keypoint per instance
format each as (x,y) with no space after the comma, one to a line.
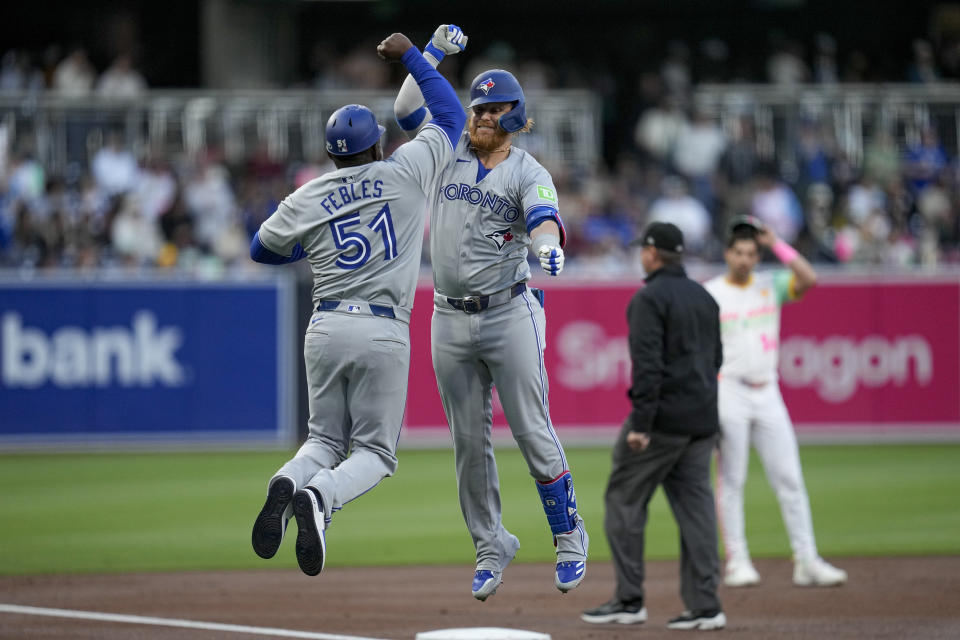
(154,512)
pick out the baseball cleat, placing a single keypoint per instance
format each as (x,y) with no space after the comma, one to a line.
(702,620)
(485,583)
(740,573)
(616,611)
(311,546)
(271,524)
(817,572)
(570,574)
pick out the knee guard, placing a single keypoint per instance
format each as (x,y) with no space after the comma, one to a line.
(559,503)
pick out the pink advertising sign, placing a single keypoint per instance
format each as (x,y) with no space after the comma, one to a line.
(856,356)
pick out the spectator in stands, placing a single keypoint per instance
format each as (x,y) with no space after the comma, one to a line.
(924,161)
(211,203)
(114,167)
(16,73)
(825,69)
(923,68)
(678,207)
(741,159)
(675,69)
(881,158)
(814,154)
(786,65)
(121,80)
(775,203)
(74,75)
(697,153)
(155,187)
(936,218)
(135,238)
(657,129)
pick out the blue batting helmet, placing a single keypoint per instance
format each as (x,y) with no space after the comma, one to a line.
(497,85)
(352,129)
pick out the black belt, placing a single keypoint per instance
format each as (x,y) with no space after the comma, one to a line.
(375,309)
(476,304)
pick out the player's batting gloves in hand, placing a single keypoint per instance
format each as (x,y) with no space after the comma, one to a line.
(448,39)
(551,259)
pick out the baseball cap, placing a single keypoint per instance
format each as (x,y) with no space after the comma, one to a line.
(662,235)
(749,222)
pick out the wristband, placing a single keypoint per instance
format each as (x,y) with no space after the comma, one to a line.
(547,240)
(434,51)
(784,252)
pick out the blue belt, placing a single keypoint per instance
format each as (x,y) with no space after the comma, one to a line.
(476,304)
(376,309)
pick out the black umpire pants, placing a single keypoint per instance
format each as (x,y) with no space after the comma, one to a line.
(682,465)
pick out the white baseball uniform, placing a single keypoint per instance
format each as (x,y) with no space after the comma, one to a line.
(752,410)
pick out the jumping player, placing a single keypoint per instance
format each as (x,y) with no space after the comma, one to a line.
(494,203)
(361,228)
(751,407)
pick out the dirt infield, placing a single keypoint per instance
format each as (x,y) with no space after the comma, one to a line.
(885,598)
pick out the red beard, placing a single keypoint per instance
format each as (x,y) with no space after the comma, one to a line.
(487,140)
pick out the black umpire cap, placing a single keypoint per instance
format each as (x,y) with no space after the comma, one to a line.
(662,235)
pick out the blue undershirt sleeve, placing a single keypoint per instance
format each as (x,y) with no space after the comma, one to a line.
(260,253)
(440,97)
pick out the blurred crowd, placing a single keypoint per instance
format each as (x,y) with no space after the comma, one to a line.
(896,206)
(70,74)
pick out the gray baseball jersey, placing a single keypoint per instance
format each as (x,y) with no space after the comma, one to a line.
(478,246)
(362,227)
(478,227)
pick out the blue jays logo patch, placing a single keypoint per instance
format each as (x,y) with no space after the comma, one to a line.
(486,85)
(500,237)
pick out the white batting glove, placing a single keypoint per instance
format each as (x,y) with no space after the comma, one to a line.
(449,38)
(551,259)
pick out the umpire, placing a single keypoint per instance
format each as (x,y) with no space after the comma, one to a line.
(668,438)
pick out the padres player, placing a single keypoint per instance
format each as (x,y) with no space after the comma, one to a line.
(361,228)
(751,408)
(494,202)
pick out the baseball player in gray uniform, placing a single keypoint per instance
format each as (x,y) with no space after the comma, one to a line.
(494,202)
(361,228)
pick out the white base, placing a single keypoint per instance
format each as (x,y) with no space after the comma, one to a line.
(482,633)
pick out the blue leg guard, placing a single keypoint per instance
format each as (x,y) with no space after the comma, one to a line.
(559,503)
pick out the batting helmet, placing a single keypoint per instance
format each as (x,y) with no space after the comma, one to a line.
(497,85)
(352,129)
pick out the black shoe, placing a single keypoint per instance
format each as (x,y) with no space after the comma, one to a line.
(632,612)
(271,524)
(311,545)
(704,620)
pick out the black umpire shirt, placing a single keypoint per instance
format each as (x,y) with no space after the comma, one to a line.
(676,353)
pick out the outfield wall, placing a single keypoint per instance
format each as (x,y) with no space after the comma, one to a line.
(146,363)
(177,363)
(862,358)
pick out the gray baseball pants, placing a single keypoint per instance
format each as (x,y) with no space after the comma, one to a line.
(357,372)
(503,347)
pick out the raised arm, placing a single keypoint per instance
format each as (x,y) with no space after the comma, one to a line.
(804,275)
(441,99)
(409,108)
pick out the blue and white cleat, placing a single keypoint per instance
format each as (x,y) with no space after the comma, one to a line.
(570,574)
(485,583)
